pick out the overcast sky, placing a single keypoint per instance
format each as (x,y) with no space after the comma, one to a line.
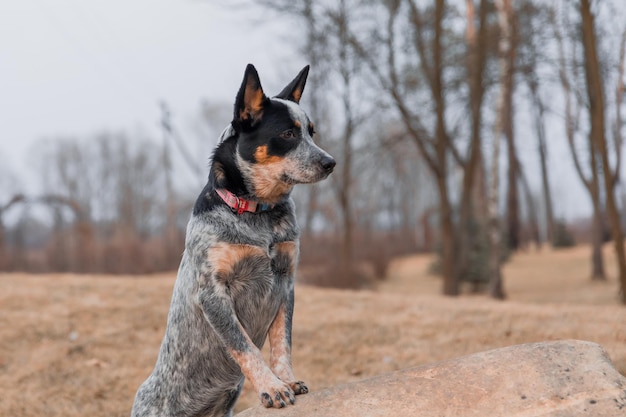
(75,68)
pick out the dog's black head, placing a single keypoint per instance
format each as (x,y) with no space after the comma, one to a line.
(270,147)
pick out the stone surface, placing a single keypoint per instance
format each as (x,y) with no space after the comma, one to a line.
(556,379)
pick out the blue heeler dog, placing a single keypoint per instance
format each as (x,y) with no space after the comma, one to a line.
(235,284)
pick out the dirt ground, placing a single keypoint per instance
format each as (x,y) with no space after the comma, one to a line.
(75,345)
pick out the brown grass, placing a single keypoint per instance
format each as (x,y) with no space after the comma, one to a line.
(80,344)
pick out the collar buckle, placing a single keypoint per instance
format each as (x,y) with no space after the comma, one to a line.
(242,205)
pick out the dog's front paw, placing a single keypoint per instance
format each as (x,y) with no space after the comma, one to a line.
(298,387)
(278,395)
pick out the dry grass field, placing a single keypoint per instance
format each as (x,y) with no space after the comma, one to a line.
(75,345)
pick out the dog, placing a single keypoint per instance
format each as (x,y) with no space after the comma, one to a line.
(235,283)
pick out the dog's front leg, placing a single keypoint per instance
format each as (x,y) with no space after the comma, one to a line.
(219,312)
(280,345)
(284,265)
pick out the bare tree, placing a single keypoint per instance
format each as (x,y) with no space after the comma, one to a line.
(539,121)
(434,143)
(597,135)
(329,26)
(406,79)
(437,148)
(507,121)
(533,36)
(170,208)
(15,199)
(113,185)
(344,182)
(315,49)
(473,198)
(568,75)
(505,11)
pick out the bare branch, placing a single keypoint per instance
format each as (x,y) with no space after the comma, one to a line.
(570,125)
(175,137)
(414,126)
(420,45)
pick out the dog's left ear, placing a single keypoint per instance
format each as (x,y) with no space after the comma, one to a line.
(293,91)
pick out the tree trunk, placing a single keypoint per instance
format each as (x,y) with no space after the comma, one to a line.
(591,184)
(513,222)
(539,112)
(512,195)
(471,187)
(598,135)
(448,238)
(596,118)
(504,9)
(533,219)
(346,179)
(313,92)
(597,238)
(4,255)
(448,241)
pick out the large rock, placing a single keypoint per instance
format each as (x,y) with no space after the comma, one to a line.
(556,379)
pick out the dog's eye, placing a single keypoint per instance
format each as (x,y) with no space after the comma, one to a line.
(311,129)
(288,134)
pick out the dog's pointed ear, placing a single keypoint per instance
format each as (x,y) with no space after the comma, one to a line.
(293,91)
(250,98)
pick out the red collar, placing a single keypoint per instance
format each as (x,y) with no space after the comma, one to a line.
(239,204)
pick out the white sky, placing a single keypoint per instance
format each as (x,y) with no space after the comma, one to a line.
(76,67)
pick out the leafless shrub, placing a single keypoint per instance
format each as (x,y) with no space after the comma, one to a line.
(322,266)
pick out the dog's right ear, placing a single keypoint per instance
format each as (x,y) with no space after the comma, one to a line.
(250,100)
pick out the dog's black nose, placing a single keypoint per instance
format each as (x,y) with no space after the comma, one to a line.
(328,163)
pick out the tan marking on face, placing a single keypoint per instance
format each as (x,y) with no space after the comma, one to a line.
(289,249)
(265,181)
(267,184)
(280,352)
(223,256)
(311,127)
(261,156)
(297,124)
